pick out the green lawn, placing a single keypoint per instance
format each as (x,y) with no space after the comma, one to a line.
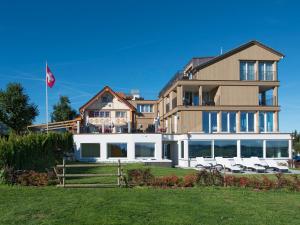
(157,171)
(50,205)
(201,205)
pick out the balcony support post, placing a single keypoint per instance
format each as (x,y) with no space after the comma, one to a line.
(200,95)
(179,95)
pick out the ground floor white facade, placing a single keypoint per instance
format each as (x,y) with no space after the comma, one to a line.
(180,149)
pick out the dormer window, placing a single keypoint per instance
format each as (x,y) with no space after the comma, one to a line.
(247,71)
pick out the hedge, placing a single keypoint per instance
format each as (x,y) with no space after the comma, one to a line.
(34,151)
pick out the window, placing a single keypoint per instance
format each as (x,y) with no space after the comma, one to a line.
(89,150)
(116,150)
(144,150)
(106,98)
(247,71)
(266,121)
(225,148)
(148,108)
(166,153)
(200,149)
(247,121)
(229,122)
(182,149)
(120,114)
(104,114)
(266,71)
(277,148)
(191,98)
(251,148)
(209,122)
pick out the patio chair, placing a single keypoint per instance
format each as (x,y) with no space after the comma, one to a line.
(274,165)
(250,163)
(202,163)
(226,164)
(238,162)
(259,162)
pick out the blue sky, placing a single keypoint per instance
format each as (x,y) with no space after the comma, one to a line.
(138,44)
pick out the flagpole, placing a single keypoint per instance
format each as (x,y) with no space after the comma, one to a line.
(46,100)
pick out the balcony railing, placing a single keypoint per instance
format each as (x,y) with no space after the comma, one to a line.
(266,75)
(268,101)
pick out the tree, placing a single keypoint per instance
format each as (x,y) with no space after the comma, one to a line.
(62,110)
(296,141)
(15,110)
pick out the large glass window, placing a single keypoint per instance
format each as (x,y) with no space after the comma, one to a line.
(225,148)
(251,148)
(266,121)
(213,122)
(200,149)
(205,122)
(116,150)
(247,71)
(261,122)
(266,71)
(144,150)
(269,118)
(89,150)
(277,148)
(247,121)
(228,122)
(209,122)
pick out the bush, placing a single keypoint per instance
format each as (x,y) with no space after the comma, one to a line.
(32,178)
(34,151)
(166,181)
(211,178)
(139,177)
(189,180)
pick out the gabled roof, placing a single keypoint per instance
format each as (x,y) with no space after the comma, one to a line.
(103,91)
(202,62)
(236,50)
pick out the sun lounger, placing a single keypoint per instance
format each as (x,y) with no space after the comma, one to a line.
(200,162)
(259,162)
(226,164)
(274,165)
(250,163)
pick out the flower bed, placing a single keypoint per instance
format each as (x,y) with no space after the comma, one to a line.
(143,177)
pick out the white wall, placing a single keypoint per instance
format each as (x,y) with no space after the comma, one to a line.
(130,139)
(187,162)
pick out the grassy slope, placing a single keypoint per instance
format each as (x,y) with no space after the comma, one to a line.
(24,205)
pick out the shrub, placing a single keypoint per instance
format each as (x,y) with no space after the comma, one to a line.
(166,181)
(139,177)
(209,178)
(189,180)
(34,151)
(267,184)
(32,178)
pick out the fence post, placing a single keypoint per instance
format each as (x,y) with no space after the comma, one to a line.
(119,172)
(64,171)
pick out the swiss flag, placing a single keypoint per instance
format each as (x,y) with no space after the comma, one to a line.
(50,79)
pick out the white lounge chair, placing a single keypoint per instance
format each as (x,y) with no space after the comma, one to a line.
(200,162)
(274,165)
(226,164)
(259,162)
(250,163)
(238,162)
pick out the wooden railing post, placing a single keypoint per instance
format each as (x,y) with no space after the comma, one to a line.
(119,172)
(64,171)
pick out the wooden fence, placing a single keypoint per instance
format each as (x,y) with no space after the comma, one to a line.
(62,176)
